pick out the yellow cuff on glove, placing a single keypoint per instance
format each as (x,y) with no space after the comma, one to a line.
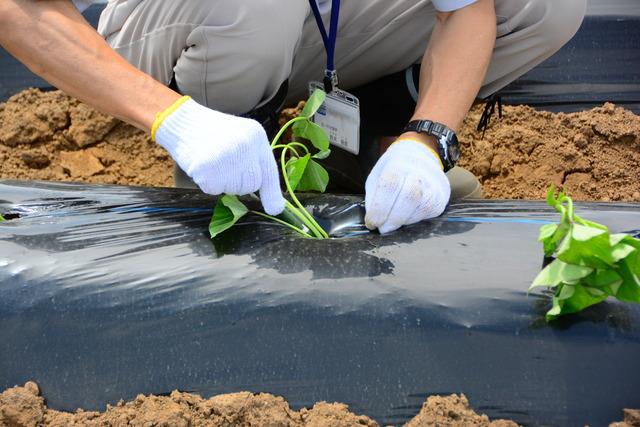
(161,116)
(437,156)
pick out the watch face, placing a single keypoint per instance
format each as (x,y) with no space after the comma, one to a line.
(454,153)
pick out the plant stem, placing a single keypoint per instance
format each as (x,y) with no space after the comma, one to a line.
(309,220)
(285,127)
(291,144)
(279,221)
(285,147)
(568,213)
(569,206)
(311,224)
(300,210)
(299,144)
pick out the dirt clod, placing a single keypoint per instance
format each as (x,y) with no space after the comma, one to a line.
(80,164)
(453,411)
(22,406)
(631,419)
(88,126)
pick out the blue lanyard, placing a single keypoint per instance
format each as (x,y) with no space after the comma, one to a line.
(329,40)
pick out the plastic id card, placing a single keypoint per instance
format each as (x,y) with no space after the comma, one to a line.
(339,116)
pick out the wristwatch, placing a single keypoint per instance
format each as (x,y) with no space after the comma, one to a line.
(448,147)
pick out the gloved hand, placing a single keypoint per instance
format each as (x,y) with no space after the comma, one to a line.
(406,185)
(220,152)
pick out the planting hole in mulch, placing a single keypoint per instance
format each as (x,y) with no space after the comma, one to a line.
(9,216)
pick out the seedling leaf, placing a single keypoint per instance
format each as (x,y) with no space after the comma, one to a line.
(578,301)
(315,178)
(566,292)
(591,264)
(547,231)
(586,246)
(603,279)
(295,170)
(582,233)
(629,240)
(227,212)
(312,132)
(314,102)
(321,155)
(614,239)
(558,272)
(309,130)
(621,251)
(630,288)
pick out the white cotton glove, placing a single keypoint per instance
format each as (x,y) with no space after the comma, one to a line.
(406,185)
(220,152)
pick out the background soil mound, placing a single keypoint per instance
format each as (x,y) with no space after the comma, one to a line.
(23,406)
(51,136)
(595,154)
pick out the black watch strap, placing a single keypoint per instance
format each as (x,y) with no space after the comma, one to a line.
(447,140)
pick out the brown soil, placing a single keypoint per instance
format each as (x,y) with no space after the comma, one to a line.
(594,154)
(631,419)
(23,406)
(50,136)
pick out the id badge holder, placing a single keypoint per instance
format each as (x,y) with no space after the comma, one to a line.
(339,116)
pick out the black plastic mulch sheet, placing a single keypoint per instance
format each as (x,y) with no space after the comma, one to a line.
(600,64)
(108,291)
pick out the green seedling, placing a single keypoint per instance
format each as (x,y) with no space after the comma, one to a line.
(300,172)
(1,218)
(590,263)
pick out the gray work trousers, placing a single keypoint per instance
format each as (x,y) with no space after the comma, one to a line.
(233,56)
